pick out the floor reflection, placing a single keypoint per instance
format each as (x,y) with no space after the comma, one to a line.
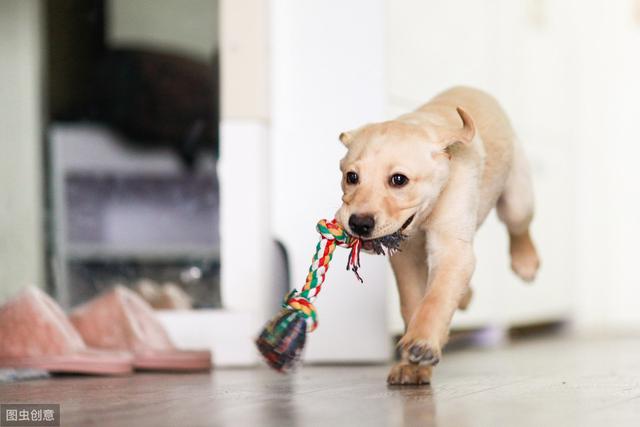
(280,409)
(416,405)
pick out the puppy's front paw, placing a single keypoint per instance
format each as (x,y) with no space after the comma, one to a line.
(404,373)
(420,350)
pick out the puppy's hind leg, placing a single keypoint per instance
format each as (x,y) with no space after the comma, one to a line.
(466,298)
(515,210)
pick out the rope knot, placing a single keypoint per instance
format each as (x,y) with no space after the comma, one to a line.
(332,230)
(297,302)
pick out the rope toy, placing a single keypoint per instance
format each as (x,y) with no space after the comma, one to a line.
(283,338)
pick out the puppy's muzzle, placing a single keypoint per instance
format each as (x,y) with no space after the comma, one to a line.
(362,225)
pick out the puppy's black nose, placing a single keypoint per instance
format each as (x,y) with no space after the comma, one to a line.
(361,225)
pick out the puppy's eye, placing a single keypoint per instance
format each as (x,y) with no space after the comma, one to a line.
(398,180)
(352,178)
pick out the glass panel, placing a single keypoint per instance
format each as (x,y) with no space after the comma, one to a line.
(131,150)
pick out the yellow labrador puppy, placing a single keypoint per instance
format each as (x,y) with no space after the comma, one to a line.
(434,175)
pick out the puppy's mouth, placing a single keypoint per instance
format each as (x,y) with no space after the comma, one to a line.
(390,242)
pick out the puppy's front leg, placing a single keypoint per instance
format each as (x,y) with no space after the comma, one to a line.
(451,264)
(411,271)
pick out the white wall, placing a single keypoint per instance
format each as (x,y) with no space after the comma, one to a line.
(327,76)
(244,171)
(21,220)
(245,66)
(608,194)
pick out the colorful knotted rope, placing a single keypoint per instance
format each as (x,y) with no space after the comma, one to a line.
(331,235)
(284,336)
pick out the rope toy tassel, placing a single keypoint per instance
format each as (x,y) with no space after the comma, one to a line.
(283,338)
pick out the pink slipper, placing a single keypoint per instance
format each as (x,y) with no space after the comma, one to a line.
(35,333)
(122,320)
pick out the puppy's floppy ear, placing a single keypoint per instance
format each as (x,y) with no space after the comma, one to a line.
(463,135)
(346,138)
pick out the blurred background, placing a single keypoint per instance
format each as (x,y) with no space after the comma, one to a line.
(186,149)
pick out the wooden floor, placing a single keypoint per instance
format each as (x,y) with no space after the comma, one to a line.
(552,382)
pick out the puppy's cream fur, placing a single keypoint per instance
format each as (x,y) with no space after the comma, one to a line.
(462,158)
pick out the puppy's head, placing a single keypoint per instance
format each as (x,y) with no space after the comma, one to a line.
(394,171)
